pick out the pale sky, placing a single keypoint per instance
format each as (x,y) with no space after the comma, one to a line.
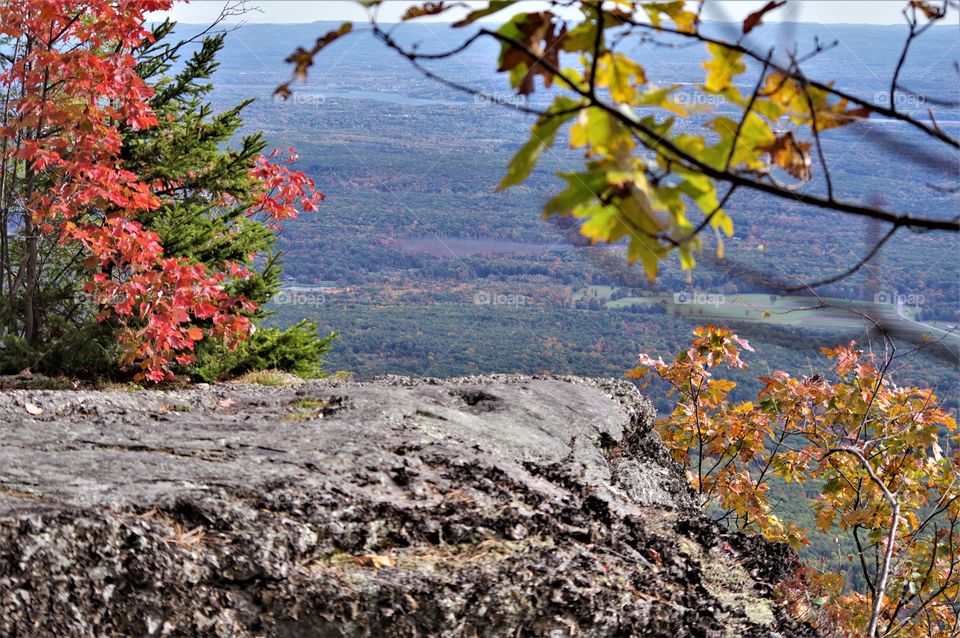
(286,11)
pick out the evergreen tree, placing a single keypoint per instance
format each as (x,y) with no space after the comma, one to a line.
(213,212)
(210,208)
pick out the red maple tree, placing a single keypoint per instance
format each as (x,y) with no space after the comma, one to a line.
(71,86)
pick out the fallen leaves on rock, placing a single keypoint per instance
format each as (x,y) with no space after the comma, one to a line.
(33,409)
(377,561)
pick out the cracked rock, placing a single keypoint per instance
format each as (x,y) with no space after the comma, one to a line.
(477,507)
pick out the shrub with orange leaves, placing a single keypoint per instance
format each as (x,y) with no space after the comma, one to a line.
(885,458)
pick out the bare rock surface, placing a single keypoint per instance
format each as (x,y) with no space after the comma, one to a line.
(488,506)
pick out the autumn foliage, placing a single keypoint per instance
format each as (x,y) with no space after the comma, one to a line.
(662,161)
(71,91)
(880,454)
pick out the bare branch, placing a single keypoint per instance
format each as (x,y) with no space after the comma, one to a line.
(891,498)
(747,110)
(655,142)
(846,273)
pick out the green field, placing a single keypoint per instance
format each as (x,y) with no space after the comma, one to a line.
(824,312)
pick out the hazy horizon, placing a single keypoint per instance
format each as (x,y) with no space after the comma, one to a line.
(852,12)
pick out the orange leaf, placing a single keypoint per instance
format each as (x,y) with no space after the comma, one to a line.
(791,155)
(753,20)
(377,561)
(429,9)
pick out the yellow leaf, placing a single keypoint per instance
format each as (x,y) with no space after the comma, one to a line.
(621,75)
(661,97)
(675,10)
(603,224)
(647,252)
(722,221)
(787,94)
(542,135)
(750,138)
(721,68)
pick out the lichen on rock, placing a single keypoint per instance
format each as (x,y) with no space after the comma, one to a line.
(487,506)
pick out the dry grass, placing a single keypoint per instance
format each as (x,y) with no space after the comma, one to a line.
(306,410)
(188,539)
(269,378)
(110,386)
(433,556)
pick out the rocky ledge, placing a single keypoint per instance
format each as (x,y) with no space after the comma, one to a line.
(490,506)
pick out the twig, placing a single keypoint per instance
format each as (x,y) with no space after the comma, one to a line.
(843,275)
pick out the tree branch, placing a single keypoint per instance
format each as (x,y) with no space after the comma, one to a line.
(654,141)
(885,567)
(876,108)
(846,273)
